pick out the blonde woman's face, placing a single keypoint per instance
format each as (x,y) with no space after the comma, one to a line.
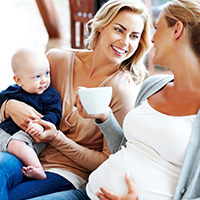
(120,39)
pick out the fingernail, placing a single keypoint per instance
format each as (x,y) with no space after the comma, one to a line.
(128,174)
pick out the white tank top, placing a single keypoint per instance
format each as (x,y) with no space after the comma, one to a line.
(155,152)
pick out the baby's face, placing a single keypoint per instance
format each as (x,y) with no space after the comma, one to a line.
(36,78)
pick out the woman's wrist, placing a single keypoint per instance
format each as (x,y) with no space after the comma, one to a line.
(55,135)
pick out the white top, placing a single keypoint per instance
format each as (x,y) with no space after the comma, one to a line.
(77,181)
(155,152)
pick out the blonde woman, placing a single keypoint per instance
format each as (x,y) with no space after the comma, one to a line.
(117,45)
(162,134)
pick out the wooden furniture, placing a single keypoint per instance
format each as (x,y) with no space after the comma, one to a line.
(50,18)
(81,11)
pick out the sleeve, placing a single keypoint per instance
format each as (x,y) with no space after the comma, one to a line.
(113,133)
(52,108)
(125,93)
(2,98)
(5,95)
(88,159)
(8,93)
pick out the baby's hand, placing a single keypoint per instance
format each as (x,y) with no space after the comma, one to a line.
(34,129)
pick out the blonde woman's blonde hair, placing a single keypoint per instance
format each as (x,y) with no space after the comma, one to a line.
(188,12)
(105,15)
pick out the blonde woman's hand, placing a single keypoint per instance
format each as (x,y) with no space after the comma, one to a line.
(103,116)
(21,113)
(133,193)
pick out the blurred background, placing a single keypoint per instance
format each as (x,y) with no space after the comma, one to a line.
(23,24)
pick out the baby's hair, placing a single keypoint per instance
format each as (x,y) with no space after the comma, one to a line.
(19,57)
(24,57)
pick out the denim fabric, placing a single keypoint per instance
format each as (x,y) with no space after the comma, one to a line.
(10,174)
(33,188)
(65,195)
(14,186)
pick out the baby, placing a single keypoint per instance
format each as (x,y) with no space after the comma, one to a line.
(32,77)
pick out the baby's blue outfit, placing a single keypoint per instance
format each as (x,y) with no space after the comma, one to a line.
(48,104)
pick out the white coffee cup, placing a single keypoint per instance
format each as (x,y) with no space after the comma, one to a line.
(95,100)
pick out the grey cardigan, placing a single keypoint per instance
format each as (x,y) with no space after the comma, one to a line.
(188,187)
